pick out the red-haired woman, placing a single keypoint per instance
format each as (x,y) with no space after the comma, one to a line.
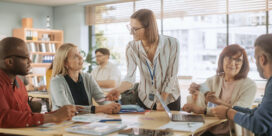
(229,87)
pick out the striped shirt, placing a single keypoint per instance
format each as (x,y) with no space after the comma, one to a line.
(164,66)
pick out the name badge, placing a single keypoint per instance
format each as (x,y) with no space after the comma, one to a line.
(151,96)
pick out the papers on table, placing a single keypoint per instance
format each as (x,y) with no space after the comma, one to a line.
(96,128)
(183,126)
(89,118)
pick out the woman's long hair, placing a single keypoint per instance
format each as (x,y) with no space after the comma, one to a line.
(61,58)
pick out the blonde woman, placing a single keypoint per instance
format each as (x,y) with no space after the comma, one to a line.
(71,86)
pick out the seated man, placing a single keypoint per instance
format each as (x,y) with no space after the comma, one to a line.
(14,109)
(259,119)
(106,74)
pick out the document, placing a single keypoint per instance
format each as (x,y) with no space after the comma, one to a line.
(96,128)
(89,118)
(183,126)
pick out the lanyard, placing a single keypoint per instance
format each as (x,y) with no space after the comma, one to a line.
(150,72)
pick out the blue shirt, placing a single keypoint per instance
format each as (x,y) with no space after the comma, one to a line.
(259,119)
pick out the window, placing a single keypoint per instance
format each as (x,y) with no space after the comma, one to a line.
(202,27)
(198,37)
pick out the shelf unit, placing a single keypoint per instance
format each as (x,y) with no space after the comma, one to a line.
(42,45)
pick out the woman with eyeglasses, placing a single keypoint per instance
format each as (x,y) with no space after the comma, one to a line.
(230,87)
(69,85)
(156,57)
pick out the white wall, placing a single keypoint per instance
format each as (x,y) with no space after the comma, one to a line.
(70,19)
(11,15)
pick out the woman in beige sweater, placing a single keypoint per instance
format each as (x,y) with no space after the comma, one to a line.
(230,87)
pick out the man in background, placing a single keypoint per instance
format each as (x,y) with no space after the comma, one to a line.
(106,74)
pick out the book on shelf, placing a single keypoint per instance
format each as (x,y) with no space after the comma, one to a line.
(38,80)
(41,47)
(36,58)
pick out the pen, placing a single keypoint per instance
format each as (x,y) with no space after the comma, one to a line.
(106,120)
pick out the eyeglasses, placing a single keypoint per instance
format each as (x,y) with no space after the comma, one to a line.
(99,56)
(18,56)
(236,60)
(133,30)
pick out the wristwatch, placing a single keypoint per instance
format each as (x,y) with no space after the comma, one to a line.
(93,109)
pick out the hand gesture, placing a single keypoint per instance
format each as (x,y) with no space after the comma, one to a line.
(210,97)
(113,95)
(220,111)
(109,108)
(194,88)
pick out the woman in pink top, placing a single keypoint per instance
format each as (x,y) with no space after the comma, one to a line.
(230,87)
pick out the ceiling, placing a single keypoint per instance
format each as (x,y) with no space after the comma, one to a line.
(55,2)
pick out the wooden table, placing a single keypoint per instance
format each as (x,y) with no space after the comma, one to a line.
(38,94)
(150,120)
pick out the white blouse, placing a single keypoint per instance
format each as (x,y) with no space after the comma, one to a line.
(164,69)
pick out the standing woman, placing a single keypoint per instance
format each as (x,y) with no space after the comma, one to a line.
(157,58)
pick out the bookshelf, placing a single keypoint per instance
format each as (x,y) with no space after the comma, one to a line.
(42,45)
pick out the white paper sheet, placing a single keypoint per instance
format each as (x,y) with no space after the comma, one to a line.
(89,118)
(183,126)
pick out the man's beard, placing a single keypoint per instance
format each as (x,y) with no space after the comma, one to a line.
(260,70)
(19,70)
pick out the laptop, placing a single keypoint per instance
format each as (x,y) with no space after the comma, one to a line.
(179,117)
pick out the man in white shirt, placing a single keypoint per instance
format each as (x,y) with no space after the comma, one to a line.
(106,74)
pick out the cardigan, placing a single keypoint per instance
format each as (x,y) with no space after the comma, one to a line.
(61,94)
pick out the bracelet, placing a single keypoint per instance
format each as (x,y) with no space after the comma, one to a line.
(93,109)
(227,113)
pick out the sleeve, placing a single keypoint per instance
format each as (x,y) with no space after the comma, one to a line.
(96,92)
(173,66)
(11,118)
(131,65)
(259,121)
(58,95)
(247,95)
(244,110)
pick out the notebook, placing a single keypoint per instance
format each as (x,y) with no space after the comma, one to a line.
(131,109)
(179,117)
